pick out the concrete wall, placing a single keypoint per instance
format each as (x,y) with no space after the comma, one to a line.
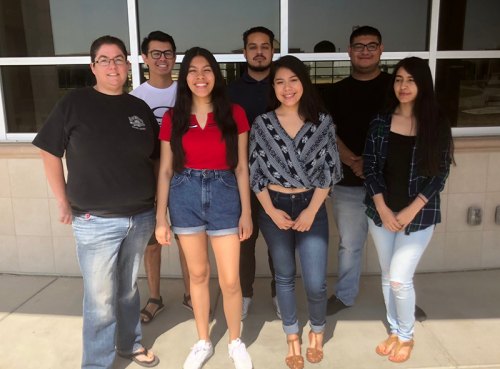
(33,242)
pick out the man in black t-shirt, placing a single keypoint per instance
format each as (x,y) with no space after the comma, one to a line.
(110,140)
(353,102)
(251,91)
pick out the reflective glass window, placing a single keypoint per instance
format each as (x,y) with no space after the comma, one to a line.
(217,25)
(469,91)
(30,92)
(58,27)
(403,24)
(469,25)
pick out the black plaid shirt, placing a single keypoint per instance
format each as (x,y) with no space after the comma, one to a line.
(374,157)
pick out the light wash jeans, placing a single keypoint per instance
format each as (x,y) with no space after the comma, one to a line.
(399,255)
(350,218)
(109,253)
(312,247)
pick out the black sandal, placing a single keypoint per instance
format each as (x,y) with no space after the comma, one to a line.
(148,364)
(186,302)
(151,316)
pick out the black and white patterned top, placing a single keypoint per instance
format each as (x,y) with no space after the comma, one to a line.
(309,160)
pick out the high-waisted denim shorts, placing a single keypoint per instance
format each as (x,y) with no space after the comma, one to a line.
(204,201)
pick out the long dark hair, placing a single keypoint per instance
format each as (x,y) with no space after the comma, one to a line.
(221,108)
(310,105)
(432,127)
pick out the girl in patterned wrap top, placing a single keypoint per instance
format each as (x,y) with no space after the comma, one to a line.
(294,164)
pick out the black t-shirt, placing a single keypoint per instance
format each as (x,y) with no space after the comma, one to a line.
(397,170)
(251,94)
(111,142)
(353,104)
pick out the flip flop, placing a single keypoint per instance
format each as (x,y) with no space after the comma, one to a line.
(148,364)
(151,316)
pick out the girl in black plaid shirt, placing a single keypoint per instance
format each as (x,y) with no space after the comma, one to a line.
(406,162)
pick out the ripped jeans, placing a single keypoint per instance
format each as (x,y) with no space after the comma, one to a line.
(398,255)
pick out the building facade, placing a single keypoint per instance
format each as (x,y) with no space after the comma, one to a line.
(44,53)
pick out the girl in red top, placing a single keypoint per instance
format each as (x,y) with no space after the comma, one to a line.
(204,180)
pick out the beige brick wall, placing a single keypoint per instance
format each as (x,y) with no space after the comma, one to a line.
(32,241)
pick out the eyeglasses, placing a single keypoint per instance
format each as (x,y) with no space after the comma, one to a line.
(156,54)
(105,62)
(359,47)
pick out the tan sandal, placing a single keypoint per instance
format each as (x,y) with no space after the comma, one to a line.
(314,354)
(295,361)
(387,345)
(396,357)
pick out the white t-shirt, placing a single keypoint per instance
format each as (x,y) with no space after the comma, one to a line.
(158,99)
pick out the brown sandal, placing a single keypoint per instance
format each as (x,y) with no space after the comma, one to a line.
(396,357)
(295,361)
(314,354)
(388,345)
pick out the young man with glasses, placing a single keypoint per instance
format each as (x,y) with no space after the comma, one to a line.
(353,102)
(159,91)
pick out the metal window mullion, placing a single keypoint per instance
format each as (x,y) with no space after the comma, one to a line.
(433,37)
(133,34)
(48,60)
(3,113)
(468,54)
(396,55)
(475,131)
(284,42)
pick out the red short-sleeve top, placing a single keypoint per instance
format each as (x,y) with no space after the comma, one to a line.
(204,148)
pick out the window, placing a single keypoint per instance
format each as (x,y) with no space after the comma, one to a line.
(30,92)
(469,91)
(469,25)
(47,27)
(403,24)
(217,25)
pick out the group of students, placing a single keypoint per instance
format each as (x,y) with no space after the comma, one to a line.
(210,161)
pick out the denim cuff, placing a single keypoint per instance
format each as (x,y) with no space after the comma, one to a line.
(317,328)
(291,329)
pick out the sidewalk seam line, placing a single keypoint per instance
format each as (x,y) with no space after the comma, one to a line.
(28,299)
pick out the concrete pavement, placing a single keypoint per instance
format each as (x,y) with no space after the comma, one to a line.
(40,325)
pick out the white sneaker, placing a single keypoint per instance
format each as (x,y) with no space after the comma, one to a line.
(200,353)
(276,306)
(247,301)
(238,352)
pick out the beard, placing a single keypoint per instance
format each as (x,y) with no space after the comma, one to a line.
(259,68)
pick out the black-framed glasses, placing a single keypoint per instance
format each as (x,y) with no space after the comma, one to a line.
(105,62)
(156,54)
(359,47)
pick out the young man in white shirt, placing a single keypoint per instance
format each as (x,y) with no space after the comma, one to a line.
(159,91)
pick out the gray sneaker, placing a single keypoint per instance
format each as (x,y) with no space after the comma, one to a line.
(247,301)
(199,354)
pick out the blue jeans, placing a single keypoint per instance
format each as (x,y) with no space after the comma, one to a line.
(109,253)
(204,201)
(399,255)
(312,247)
(349,213)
